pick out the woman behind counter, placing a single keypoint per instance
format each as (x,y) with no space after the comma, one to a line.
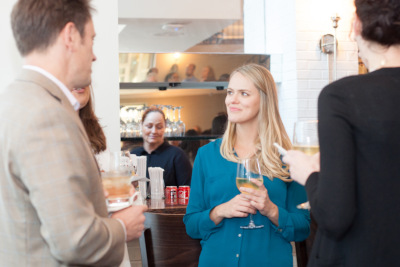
(217,209)
(176,165)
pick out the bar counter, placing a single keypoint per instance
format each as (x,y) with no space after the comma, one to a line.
(165,206)
(164,241)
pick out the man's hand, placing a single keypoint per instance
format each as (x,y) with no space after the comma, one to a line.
(133,218)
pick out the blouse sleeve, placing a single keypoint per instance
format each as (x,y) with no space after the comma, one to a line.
(197,218)
(294,223)
(183,169)
(332,192)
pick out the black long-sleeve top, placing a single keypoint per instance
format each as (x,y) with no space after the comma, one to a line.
(355,197)
(176,165)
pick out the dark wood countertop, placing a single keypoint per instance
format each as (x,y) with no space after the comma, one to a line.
(160,206)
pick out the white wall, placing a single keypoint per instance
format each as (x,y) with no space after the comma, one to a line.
(291,35)
(315,69)
(105,70)
(180,9)
(10,62)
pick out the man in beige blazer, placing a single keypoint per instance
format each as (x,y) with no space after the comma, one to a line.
(52,206)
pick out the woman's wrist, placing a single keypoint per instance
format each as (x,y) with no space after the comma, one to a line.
(273,214)
(215,214)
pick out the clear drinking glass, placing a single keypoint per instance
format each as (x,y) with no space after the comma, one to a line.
(180,125)
(305,139)
(248,169)
(174,125)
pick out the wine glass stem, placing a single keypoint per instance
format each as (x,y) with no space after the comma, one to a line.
(251,223)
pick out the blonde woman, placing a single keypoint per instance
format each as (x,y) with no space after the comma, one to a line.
(217,209)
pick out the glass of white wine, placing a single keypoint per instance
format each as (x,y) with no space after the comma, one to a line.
(305,139)
(248,169)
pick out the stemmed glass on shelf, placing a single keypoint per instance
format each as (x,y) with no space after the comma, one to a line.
(248,169)
(180,124)
(174,126)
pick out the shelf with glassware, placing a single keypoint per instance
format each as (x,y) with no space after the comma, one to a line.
(130,116)
(177,138)
(174,85)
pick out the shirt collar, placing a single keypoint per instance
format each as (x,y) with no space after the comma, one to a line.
(75,104)
(158,150)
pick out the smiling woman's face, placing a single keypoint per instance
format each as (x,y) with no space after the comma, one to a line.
(242,100)
(153,128)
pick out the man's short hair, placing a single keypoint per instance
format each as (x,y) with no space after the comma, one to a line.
(37,23)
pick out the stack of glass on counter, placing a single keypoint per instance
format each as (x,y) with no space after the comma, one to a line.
(131,121)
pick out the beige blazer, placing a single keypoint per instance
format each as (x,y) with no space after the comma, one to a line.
(52,206)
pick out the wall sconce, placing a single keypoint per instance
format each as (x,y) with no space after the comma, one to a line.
(328,44)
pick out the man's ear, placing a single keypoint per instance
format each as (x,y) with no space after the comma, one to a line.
(357,26)
(70,36)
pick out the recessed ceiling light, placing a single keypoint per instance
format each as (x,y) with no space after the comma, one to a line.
(172,27)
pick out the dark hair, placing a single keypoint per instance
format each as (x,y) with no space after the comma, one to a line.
(190,147)
(224,77)
(92,127)
(37,23)
(219,124)
(152,70)
(380,20)
(169,76)
(152,109)
(210,75)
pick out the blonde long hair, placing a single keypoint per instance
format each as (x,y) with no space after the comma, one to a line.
(270,126)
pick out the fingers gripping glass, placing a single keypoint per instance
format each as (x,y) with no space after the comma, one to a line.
(248,169)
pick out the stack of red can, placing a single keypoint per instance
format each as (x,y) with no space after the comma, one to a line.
(183,194)
(171,195)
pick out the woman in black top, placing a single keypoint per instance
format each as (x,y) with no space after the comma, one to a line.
(353,190)
(176,165)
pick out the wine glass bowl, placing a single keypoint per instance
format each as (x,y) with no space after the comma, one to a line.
(180,124)
(248,169)
(305,139)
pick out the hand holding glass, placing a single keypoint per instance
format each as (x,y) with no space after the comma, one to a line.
(248,169)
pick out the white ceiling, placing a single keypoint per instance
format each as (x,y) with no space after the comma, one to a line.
(174,25)
(127,94)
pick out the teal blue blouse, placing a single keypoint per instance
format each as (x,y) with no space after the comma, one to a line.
(226,244)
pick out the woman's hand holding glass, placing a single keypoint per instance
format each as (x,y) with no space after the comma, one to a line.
(305,160)
(259,199)
(301,165)
(238,206)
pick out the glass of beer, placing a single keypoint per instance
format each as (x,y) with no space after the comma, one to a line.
(248,169)
(117,184)
(305,139)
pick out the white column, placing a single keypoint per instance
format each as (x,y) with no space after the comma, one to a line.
(11,61)
(105,79)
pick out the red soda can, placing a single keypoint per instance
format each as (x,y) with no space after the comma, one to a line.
(171,195)
(183,194)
